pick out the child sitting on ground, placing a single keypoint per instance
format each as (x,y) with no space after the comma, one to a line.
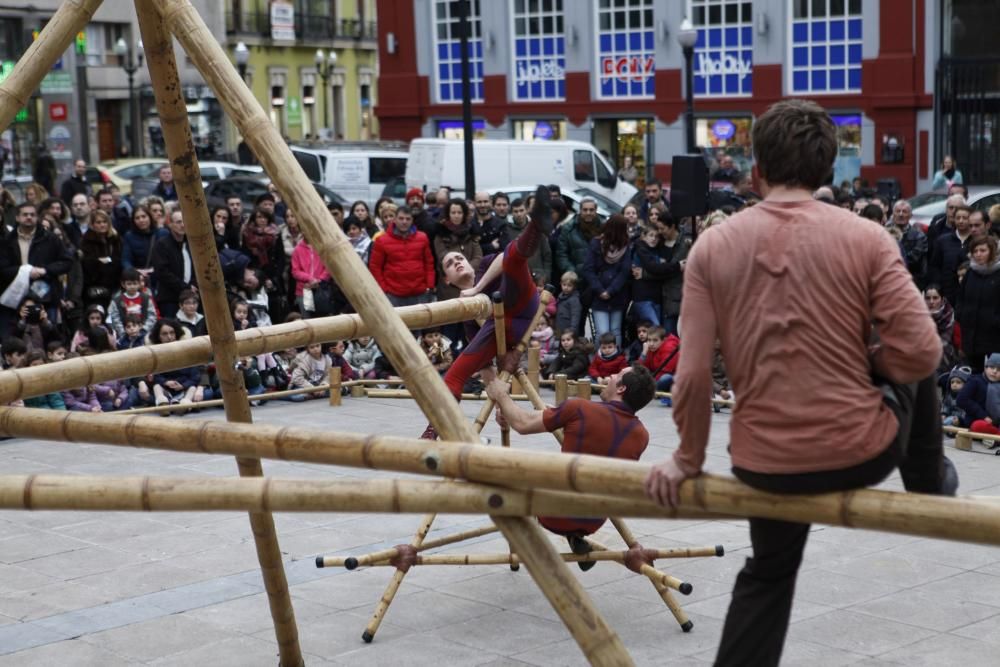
(188,315)
(55,351)
(660,356)
(636,348)
(336,353)
(134,335)
(980,398)
(568,307)
(82,399)
(310,370)
(437,351)
(607,361)
(951,414)
(544,339)
(93,317)
(720,383)
(131,300)
(571,360)
(53,401)
(361,355)
(14,351)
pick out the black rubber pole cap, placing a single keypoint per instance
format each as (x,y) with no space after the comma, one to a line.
(687,625)
(498,297)
(514,567)
(351,563)
(719,550)
(367,637)
(319,561)
(685,588)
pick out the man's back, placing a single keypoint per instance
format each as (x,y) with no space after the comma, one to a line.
(797,285)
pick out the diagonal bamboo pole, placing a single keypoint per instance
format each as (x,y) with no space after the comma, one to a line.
(16,90)
(965,519)
(172,110)
(354,562)
(62,375)
(597,640)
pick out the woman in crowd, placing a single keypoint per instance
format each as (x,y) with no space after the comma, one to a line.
(101,260)
(607,270)
(979,303)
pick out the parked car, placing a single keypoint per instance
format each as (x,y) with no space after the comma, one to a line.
(123,172)
(210,172)
(249,188)
(605,206)
(357,170)
(929,204)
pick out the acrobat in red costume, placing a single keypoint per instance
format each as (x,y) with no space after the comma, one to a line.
(520,296)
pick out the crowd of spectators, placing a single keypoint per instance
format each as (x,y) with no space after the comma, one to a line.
(87,272)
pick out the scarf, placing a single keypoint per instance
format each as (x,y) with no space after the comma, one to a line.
(260,242)
(458,230)
(614,255)
(944,318)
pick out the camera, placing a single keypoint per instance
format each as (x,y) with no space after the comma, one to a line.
(34,314)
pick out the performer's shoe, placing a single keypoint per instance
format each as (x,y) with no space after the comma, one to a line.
(429,433)
(541,210)
(580,547)
(949,478)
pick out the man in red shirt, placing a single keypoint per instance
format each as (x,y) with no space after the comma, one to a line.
(402,262)
(793,288)
(609,428)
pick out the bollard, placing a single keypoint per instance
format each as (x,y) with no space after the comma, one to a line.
(534,367)
(357,391)
(583,389)
(562,389)
(335,386)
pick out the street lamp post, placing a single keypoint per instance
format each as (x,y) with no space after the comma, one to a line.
(324,65)
(242,55)
(688,37)
(131,66)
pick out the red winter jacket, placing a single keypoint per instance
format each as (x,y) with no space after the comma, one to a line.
(602,368)
(654,360)
(402,265)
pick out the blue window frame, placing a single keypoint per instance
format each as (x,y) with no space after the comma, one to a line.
(448,53)
(825,51)
(723,54)
(539,51)
(626,57)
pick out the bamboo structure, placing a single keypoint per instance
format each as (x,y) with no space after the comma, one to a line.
(504,559)
(561,388)
(965,518)
(335,386)
(352,562)
(533,372)
(583,389)
(172,110)
(499,326)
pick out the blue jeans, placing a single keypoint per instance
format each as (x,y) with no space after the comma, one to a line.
(605,321)
(665,382)
(670,324)
(646,310)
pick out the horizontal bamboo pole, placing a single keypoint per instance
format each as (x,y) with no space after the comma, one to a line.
(218,494)
(377,557)
(403,393)
(966,519)
(72,373)
(512,559)
(217,402)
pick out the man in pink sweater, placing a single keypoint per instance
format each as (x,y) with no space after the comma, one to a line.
(830,349)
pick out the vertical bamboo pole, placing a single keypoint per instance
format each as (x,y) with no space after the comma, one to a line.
(534,367)
(583,389)
(335,386)
(664,592)
(187,175)
(357,391)
(16,90)
(499,325)
(597,640)
(562,388)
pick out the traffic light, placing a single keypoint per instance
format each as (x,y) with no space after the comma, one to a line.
(81,43)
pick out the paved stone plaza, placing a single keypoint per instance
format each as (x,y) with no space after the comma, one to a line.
(184,589)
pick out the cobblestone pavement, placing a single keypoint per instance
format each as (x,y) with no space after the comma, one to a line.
(110,589)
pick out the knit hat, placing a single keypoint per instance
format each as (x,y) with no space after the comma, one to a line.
(414,192)
(960,373)
(993,361)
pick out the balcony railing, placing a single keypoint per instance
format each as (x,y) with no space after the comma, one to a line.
(307,26)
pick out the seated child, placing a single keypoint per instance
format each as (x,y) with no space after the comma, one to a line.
(93,317)
(134,335)
(53,401)
(720,382)
(437,351)
(251,377)
(660,356)
(170,387)
(607,361)
(569,310)
(14,352)
(188,315)
(542,338)
(635,350)
(83,399)
(571,360)
(951,414)
(336,354)
(980,398)
(131,300)
(55,351)
(310,370)
(361,355)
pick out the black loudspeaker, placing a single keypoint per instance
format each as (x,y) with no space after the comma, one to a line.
(688,186)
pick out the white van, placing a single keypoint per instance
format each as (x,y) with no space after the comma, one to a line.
(354,171)
(501,163)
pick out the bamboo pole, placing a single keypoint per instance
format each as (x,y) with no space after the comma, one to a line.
(598,642)
(218,402)
(172,110)
(561,388)
(354,562)
(335,386)
(500,326)
(508,558)
(62,375)
(533,373)
(583,389)
(965,519)
(405,393)
(358,391)
(663,591)
(29,70)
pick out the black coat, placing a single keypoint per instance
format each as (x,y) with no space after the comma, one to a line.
(573,364)
(948,254)
(45,251)
(168,265)
(655,269)
(978,311)
(97,273)
(72,186)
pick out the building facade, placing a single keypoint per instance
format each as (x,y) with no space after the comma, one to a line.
(611,72)
(305,99)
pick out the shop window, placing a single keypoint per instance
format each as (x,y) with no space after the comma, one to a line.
(453,129)
(539,130)
(539,50)
(626,57)
(448,52)
(723,55)
(717,137)
(847,165)
(825,49)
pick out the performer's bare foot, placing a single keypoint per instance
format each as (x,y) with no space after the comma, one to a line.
(429,433)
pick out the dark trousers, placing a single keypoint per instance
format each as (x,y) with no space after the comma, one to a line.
(757,621)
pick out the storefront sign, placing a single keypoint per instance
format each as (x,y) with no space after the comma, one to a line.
(533,72)
(726,64)
(282,20)
(294,111)
(57,111)
(57,83)
(633,68)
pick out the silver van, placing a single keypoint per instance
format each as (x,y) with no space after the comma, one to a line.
(354,170)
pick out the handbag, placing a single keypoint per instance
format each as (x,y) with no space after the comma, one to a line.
(323,301)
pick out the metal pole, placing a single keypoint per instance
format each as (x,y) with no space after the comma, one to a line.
(463,29)
(689,98)
(132,109)
(81,89)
